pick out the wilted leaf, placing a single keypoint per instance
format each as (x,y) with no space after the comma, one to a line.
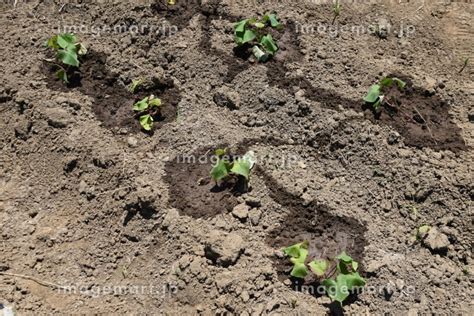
(259,54)
(68,57)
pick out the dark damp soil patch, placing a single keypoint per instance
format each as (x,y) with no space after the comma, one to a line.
(422,119)
(182,12)
(328,235)
(192,191)
(113,102)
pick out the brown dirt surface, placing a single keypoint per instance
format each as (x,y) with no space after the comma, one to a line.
(98,217)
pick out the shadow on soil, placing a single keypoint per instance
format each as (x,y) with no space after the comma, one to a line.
(327,234)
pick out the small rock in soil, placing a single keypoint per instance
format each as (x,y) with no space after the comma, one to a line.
(57,118)
(252,201)
(226,97)
(254,216)
(241,211)
(132,142)
(22,129)
(224,250)
(393,138)
(436,241)
(171,218)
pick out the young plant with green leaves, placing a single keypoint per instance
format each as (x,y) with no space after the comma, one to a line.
(68,53)
(135,84)
(228,168)
(254,33)
(147,108)
(375,96)
(336,10)
(338,276)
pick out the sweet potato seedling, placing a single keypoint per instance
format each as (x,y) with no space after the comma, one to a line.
(68,52)
(375,95)
(336,10)
(147,108)
(253,32)
(338,275)
(228,169)
(135,84)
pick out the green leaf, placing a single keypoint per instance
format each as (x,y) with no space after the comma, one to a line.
(239,27)
(299,270)
(344,257)
(319,267)
(273,20)
(61,74)
(249,35)
(241,167)
(219,152)
(340,289)
(259,25)
(53,42)
(400,83)
(422,231)
(294,251)
(268,43)
(335,291)
(141,105)
(355,265)
(373,94)
(220,170)
(351,281)
(68,57)
(134,85)
(66,40)
(146,121)
(342,267)
(154,102)
(386,82)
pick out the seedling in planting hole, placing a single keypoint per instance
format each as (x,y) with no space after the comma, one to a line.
(147,108)
(135,84)
(68,51)
(375,96)
(226,168)
(252,32)
(339,276)
(337,10)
